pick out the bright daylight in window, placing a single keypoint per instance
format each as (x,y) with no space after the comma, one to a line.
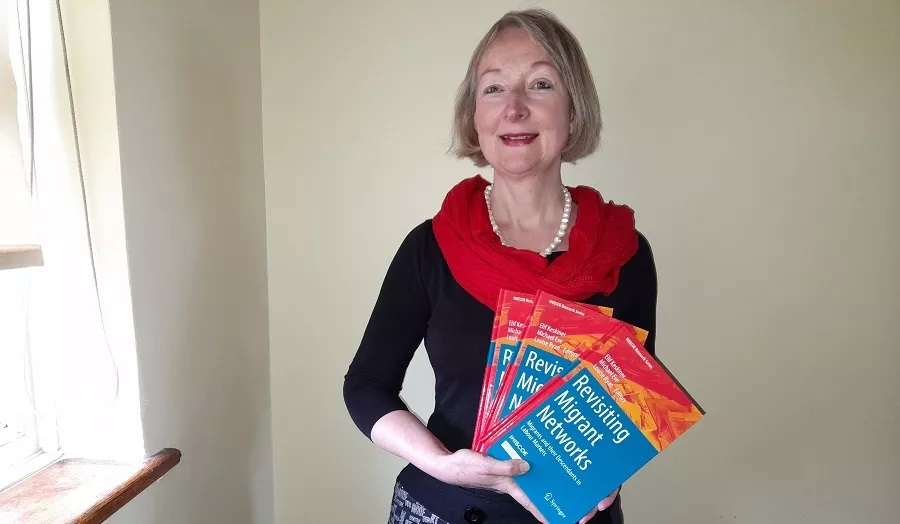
(21,427)
(59,375)
(18,418)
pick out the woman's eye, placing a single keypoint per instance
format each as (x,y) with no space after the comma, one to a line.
(542,84)
(491,89)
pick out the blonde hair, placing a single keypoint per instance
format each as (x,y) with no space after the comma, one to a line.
(567,55)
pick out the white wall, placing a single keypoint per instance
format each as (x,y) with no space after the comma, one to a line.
(758,144)
(187,83)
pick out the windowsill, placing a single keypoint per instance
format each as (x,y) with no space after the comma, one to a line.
(82,491)
(19,256)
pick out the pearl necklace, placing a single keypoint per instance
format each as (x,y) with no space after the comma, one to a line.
(560,233)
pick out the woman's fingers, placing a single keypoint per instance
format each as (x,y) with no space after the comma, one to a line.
(471,469)
(505,468)
(605,503)
(516,493)
(468,468)
(485,465)
(608,501)
(588,517)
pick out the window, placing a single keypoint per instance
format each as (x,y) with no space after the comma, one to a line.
(20,258)
(18,430)
(56,367)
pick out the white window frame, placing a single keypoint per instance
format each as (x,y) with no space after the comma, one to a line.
(20,448)
(20,266)
(93,412)
(39,443)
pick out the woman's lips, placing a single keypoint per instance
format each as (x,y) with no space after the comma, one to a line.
(518,139)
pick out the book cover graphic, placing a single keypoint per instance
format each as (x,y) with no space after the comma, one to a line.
(510,319)
(558,333)
(589,430)
(640,333)
(608,311)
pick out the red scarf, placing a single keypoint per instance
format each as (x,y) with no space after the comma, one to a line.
(601,240)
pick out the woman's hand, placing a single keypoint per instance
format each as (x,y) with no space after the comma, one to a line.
(403,434)
(471,469)
(605,503)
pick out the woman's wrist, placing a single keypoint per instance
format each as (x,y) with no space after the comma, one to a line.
(432,460)
(403,434)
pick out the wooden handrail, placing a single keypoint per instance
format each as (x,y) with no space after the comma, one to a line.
(82,491)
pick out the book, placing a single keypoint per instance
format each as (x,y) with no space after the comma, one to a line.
(513,313)
(510,319)
(595,424)
(544,350)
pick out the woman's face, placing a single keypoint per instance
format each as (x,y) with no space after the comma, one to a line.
(522,113)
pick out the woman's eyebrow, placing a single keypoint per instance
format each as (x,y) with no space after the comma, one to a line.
(534,65)
(486,71)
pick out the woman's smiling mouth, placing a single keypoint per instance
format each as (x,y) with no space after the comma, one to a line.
(518,139)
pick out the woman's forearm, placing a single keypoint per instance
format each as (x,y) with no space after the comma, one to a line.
(403,434)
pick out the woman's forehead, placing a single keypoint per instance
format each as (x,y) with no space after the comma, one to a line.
(513,48)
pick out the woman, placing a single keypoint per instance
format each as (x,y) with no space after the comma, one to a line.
(526,105)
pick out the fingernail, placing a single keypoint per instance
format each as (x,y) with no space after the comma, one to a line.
(524,466)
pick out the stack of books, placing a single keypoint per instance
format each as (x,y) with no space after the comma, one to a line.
(574,392)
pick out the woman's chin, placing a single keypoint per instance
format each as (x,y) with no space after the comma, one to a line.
(519,167)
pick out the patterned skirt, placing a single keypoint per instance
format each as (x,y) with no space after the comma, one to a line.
(407,510)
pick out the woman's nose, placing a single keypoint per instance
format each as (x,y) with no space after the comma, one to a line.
(516,109)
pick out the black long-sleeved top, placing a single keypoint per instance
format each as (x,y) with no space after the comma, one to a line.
(420,300)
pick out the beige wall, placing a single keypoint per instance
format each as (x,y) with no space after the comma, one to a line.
(187,86)
(758,143)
